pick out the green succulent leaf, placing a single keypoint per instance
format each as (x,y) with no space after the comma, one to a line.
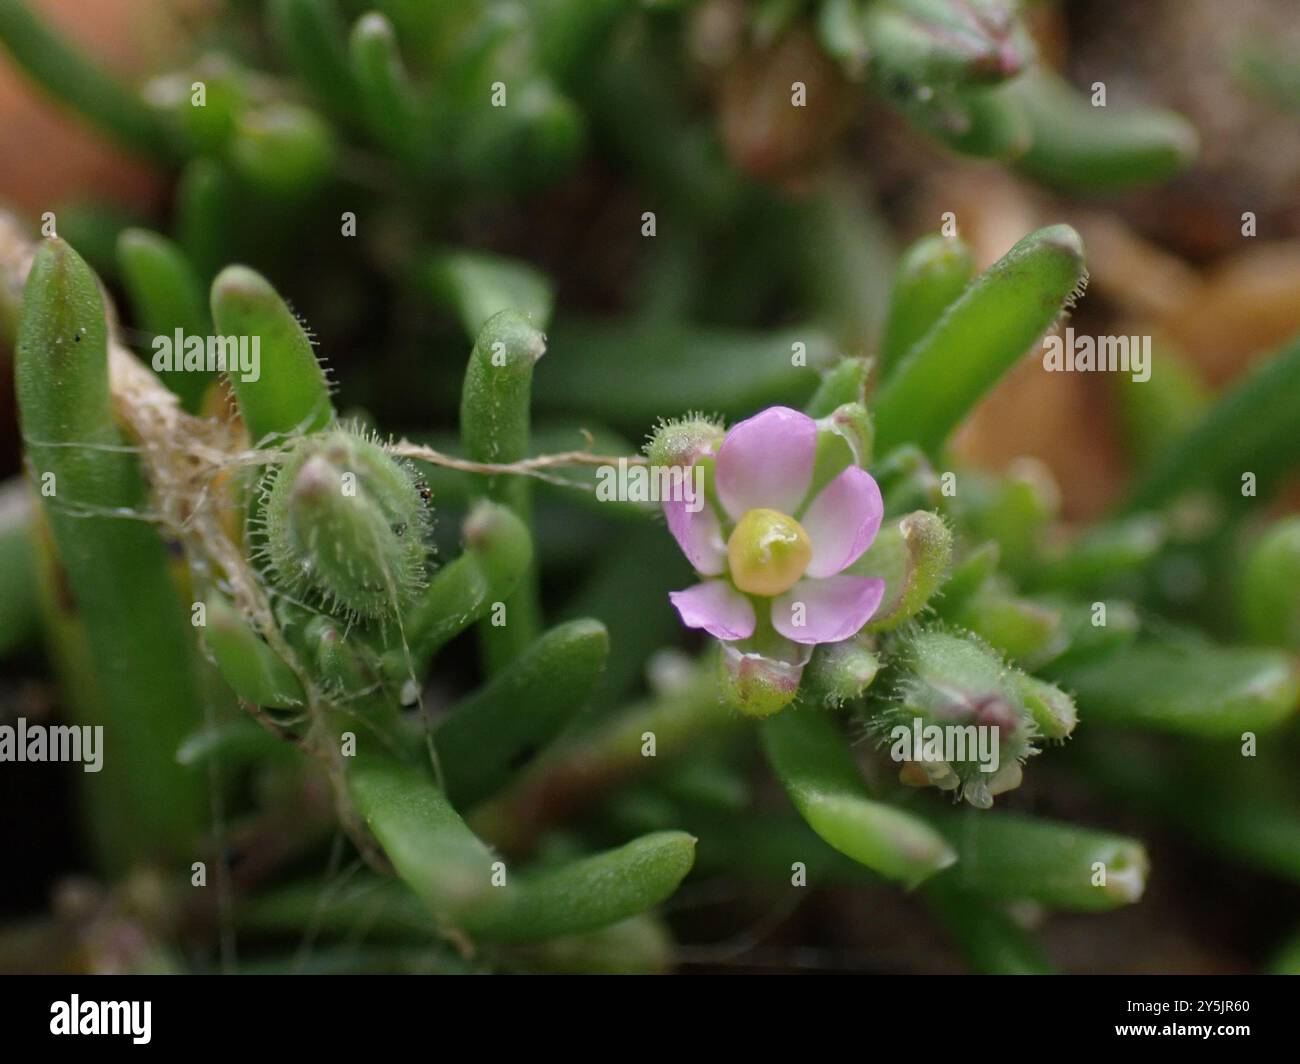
(923,43)
(1188,688)
(313,36)
(71,77)
(912,556)
(254,671)
(167,295)
(290,393)
(994,944)
(981,335)
(631,375)
(456,875)
(932,273)
(591,892)
(19,599)
(813,762)
(477,286)
(495,427)
(389,102)
(1248,433)
(142,802)
(1268,596)
(1077,146)
(1005,857)
(497,730)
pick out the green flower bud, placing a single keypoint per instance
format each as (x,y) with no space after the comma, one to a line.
(756,685)
(956,717)
(840,672)
(338,665)
(347,525)
(680,442)
(923,42)
(912,556)
(1052,709)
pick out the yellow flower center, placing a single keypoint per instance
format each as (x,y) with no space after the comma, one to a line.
(768,552)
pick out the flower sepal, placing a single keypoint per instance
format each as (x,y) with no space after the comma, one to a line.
(760,684)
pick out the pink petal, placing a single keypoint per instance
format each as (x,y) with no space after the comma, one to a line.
(699,535)
(718,608)
(766,462)
(842,521)
(833,608)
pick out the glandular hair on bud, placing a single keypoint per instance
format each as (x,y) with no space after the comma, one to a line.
(681,441)
(346,525)
(953,713)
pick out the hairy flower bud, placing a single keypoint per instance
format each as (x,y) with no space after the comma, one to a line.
(681,442)
(346,524)
(841,672)
(955,718)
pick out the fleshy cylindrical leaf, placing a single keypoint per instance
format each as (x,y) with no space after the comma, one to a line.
(499,728)
(290,393)
(812,761)
(116,568)
(931,275)
(985,332)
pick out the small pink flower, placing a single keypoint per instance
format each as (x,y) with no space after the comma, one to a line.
(774,558)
